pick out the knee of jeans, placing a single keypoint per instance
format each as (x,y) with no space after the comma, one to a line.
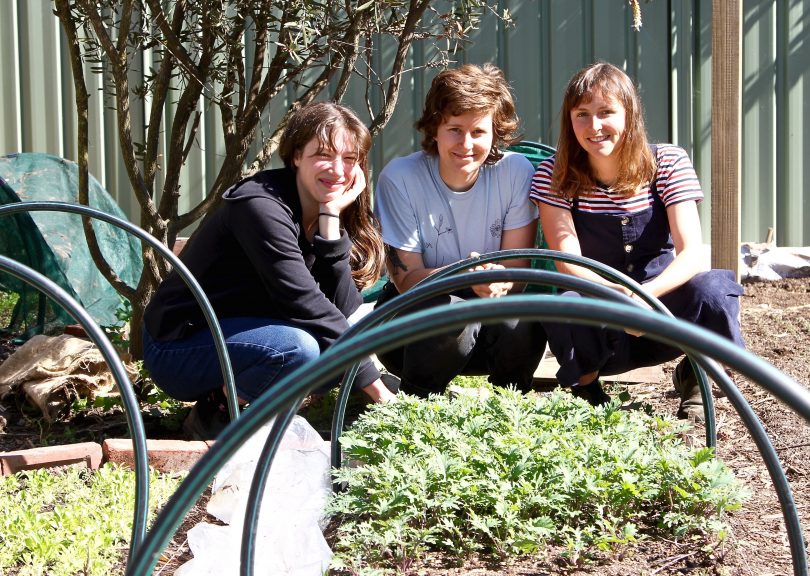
(714,288)
(308,349)
(571,294)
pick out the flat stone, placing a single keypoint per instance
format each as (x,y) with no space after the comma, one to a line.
(547,370)
(89,453)
(163,455)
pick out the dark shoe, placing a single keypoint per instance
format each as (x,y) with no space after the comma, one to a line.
(592,393)
(686,383)
(208,417)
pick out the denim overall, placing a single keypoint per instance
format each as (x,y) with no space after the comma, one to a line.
(639,245)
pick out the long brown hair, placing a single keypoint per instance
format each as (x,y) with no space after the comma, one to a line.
(324,120)
(572,170)
(470,88)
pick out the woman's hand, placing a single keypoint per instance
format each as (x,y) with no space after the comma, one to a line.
(494,289)
(379,393)
(638,301)
(356,187)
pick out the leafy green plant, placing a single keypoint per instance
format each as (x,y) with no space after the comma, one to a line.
(119,332)
(319,409)
(507,474)
(7,302)
(71,521)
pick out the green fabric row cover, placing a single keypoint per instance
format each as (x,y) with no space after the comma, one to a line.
(53,244)
(536,152)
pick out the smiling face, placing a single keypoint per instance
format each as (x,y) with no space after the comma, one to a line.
(463,143)
(599,126)
(324,173)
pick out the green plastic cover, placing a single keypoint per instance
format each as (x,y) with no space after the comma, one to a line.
(53,244)
(536,152)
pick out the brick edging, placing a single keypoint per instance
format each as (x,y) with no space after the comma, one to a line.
(163,455)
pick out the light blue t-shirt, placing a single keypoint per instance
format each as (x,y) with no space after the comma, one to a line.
(419,213)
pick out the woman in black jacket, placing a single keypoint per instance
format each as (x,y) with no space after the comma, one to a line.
(281,260)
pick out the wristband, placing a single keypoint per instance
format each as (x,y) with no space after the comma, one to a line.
(328,214)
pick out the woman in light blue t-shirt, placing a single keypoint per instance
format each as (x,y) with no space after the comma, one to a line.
(460,195)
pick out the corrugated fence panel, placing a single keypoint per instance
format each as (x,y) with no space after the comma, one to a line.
(759,120)
(10,119)
(670,58)
(793,198)
(702,101)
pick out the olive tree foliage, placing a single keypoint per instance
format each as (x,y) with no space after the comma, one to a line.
(311,48)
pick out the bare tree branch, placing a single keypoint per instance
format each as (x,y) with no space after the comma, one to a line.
(159,92)
(82,106)
(406,38)
(172,42)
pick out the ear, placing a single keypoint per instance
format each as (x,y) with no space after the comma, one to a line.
(296,158)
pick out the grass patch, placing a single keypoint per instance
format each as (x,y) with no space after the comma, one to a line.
(71,520)
(509,474)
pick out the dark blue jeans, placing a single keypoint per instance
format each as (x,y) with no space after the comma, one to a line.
(710,300)
(507,351)
(261,350)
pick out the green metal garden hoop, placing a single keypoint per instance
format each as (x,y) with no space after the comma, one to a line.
(411,327)
(134,420)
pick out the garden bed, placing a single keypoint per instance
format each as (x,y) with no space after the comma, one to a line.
(776,326)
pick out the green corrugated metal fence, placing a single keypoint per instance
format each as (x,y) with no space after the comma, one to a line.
(670,57)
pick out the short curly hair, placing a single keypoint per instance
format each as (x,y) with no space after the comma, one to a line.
(470,88)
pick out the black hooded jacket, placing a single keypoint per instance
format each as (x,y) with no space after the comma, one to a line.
(252,259)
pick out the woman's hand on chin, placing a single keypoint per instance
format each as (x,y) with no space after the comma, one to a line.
(355,188)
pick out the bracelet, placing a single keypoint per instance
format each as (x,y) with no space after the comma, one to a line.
(328,214)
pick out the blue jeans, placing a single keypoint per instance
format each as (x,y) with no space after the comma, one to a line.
(261,350)
(507,351)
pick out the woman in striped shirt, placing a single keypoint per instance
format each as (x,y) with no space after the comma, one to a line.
(609,195)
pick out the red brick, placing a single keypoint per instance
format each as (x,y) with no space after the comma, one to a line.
(51,456)
(163,455)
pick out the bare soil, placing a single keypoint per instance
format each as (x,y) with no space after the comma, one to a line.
(776,326)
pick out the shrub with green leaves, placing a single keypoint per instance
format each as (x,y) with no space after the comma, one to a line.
(506,475)
(7,302)
(71,521)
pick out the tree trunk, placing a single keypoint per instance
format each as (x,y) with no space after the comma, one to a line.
(139,302)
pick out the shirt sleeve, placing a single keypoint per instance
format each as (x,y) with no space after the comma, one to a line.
(393,208)
(332,271)
(676,180)
(541,186)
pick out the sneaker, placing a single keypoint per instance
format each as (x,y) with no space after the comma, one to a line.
(686,383)
(592,393)
(208,417)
